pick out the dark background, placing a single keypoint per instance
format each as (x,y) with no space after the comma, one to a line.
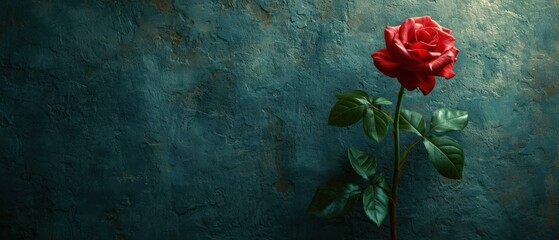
(161,119)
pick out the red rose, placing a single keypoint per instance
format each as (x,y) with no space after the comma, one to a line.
(416,52)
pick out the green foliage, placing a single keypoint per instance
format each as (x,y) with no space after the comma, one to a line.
(381,101)
(363,163)
(334,199)
(354,105)
(349,108)
(375,124)
(375,201)
(448,119)
(353,94)
(446,155)
(412,122)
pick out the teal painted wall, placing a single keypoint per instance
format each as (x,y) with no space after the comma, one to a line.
(161,119)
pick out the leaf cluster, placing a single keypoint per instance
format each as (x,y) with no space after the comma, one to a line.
(337,197)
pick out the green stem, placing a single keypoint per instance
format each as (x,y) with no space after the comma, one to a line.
(397,168)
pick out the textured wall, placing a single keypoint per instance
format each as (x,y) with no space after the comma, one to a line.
(199,119)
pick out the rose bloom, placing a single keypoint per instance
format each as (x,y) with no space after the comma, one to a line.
(416,51)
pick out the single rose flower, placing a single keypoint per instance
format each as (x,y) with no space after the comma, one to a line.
(416,51)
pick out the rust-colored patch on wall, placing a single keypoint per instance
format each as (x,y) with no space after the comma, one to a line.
(552,88)
(326,9)
(353,22)
(259,13)
(543,81)
(196,58)
(282,185)
(175,37)
(540,120)
(516,193)
(552,197)
(189,98)
(163,6)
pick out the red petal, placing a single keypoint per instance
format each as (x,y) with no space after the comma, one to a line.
(408,79)
(395,47)
(429,68)
(423,54)
(389,34)
(447,71)
(385,63)
(426,83)
(394,44)
(455,51)
(446,42)
(427,21)
(399,52)
(406,29)
(428,35)
(421,45)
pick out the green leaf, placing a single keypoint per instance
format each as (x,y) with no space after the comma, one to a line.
(411,121)
(375,201)
(382,101)
(347,111)
(446,154)
(363,163)
(334,199)
(375,124)
(359,94)
(448,119)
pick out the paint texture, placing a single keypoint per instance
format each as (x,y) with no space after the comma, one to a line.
(199,119)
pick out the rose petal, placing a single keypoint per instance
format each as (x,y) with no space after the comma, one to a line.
(399,52)
(423,54)
(426,83)
(411,81)
(385,63)
(446,72)
(430,67)
(421,45)
(405,33)
(446,30)
(389,34)
(446,42)
(428,35)
(455,51)
(427,21)
(408,79)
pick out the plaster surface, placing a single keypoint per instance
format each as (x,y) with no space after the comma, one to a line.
(198,119)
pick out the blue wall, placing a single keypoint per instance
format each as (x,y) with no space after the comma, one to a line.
(198,119)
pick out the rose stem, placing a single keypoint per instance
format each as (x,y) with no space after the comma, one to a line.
(396,175)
